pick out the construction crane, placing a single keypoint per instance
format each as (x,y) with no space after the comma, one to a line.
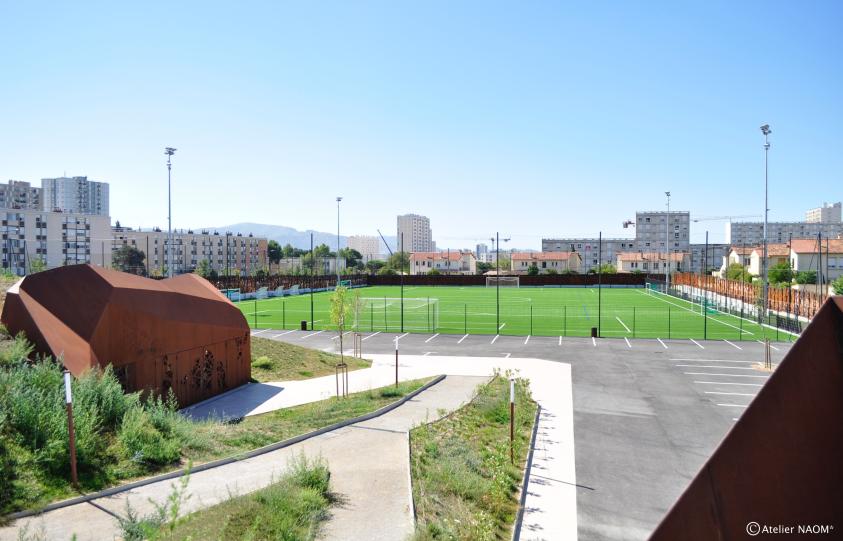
(717,218)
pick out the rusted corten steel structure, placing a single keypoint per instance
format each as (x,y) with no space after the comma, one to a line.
(180,334)
(782,462)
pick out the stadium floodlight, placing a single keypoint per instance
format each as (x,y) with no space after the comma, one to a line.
(667,243)
(765,129)
(338,240)
(169,151)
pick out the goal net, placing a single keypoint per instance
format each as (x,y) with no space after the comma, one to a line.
(384,313)
(261,293)
(231,294)
(503,281)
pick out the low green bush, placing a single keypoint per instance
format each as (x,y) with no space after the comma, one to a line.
(143,441)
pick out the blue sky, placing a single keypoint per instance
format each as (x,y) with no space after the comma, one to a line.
(532,118)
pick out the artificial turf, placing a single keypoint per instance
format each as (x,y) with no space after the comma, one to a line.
(536,311)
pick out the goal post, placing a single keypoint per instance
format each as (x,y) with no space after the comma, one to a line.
(380,313)
(503,281)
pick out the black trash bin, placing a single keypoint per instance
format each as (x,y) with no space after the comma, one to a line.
(594,332)
(304,325)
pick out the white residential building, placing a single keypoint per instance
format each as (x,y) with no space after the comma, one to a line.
(20,195)
(367,245)
(805,256)
(75,194)
(828,213)
(545,262)
(414,231)
(55,239)
(652,262)
(448,262)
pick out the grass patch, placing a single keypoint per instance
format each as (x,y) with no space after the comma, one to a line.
(464,485)
(279,361)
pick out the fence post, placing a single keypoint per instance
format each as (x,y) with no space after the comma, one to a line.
(465,318)
(256,311)
(284,314)
(740,330)
(633,322)
(385,320)
(371,318)
(668,322)
(531,319)
(565,320)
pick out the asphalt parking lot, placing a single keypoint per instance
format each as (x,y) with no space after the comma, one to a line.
(647,413)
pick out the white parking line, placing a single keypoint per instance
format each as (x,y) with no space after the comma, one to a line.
(662,343)
(426,353)
(771,345)
(560,340)
(507,355)
(495,338)
(627,343)
(594,341)
(730,394)
(461,339)
(311,334)
(713,366)
(731,344)
(259,332)
(371,335)
(344,335)
(697,343)
(282,333)
(527,340)
(402,336)
(733,405)
(622,323)
(431,338)
(727,375)
(729,383)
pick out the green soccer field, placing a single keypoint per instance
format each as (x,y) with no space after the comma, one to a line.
(572,311)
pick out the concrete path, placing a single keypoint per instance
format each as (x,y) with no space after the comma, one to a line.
(369,471)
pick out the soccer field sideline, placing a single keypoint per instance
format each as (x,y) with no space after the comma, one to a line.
(624,312)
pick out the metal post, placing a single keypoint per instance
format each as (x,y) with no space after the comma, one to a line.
(312,268)
(465,319)
(705,292)
(372,318)
(667,244)
(498,282)
(284,314)
(169,151)
(401,255)
(565,320)
(531,319)
(396,361)
(668,322)
(633,322)
(599,282)
(68,398)
(765,129)
(256,310)
(512,421)
(338,240)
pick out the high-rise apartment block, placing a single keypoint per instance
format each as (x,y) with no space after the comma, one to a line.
(367,245)
(20,195)
(414,231)
(828,213)
(661,231)
(75,194)
(752,233)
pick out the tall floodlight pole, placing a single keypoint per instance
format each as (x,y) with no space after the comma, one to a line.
(765,129)
(338,240)
(667,244)
(169,151)
(498,283)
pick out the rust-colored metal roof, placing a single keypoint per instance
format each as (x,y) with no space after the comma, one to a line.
(88,316)
(780,464)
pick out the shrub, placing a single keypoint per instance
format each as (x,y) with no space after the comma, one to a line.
(17,351)
(143,441)
(837,286)
(806,277)
(780,273)
(263,362)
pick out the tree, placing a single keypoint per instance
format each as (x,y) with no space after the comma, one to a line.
(533,270)
(37,265)
(780,273)
(386,271)
(399,262)
(274,252)
(552,271)
(837,286)
(322,251)
(736,271)
(129,259)
(342,307)
(203,268)
(605,268)
(806,277)
(352,257)
(433,272)
(374,265)
(483,267)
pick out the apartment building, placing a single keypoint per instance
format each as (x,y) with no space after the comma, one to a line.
(415,233)
(545,262)
(752,233)
(448,262)
(828,213)
(660,231)
(652,262)
(53,239)
(226,253)
(368,246)
(589,249)
(20,195)
(75,194)
(483,254)
(717,253)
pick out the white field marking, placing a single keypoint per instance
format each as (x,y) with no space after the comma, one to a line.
(712,361)
(734,345)
(371,335)
(594,341)
(627,343)
(461,339)
(526,339)
(282,334)
(713,366)
(311,334)
(697,343)
(495,338)
(560,340)
(431,338)
(733,405)
(726,375)
(260,332)
(662,343)
(771,345)
(507,355)
(502,326)
(695,312)
(729,383)
(622,323)
(730,394)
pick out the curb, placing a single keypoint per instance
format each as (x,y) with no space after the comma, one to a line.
(224,461)
(519,517)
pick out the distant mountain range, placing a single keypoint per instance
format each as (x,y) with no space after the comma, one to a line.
(288,235)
